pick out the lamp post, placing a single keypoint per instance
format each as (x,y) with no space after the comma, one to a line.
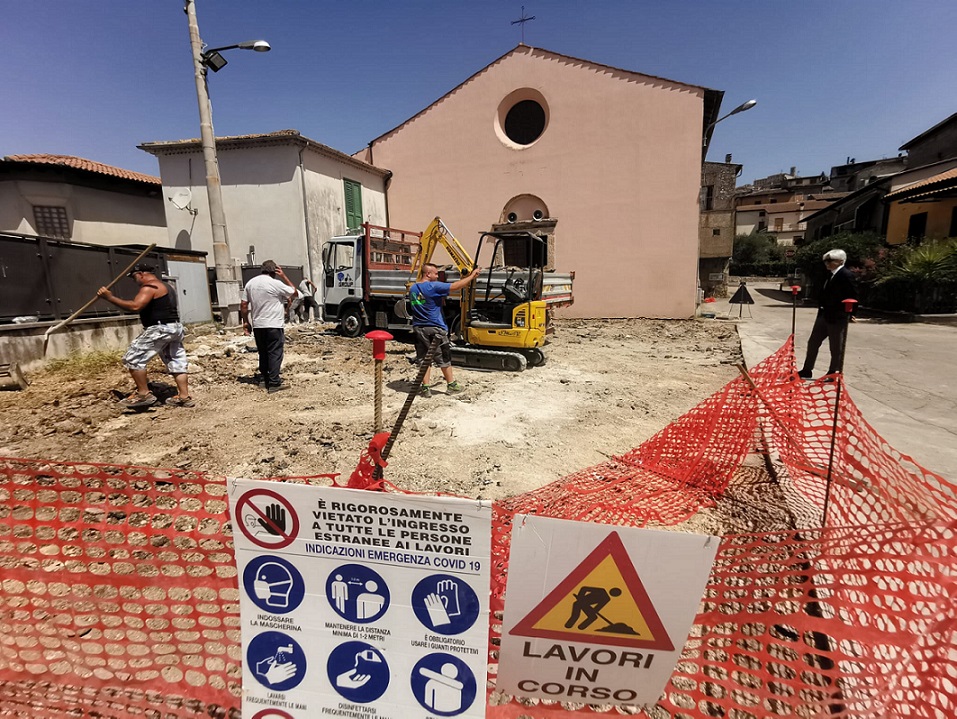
(743,107)
(227,285)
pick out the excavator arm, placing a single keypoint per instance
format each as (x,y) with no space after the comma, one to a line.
(438,234)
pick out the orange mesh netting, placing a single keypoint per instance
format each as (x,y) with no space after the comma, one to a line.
(119,588)
(119,593)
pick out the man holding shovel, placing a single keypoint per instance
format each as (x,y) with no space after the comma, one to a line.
(162,335)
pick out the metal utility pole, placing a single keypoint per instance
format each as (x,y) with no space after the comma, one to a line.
(848,309)
(227,286)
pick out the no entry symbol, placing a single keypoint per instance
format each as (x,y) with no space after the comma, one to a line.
(272,714)
(267,519)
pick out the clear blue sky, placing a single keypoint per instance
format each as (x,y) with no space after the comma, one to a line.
(94,78)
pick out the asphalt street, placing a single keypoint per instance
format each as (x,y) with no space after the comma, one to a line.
(900,375)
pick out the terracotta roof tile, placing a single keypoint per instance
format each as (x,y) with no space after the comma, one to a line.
(941,177)
(78,163)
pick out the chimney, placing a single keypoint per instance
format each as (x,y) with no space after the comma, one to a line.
(793,171)
(727,159)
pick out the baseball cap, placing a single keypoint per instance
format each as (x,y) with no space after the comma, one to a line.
(140,267)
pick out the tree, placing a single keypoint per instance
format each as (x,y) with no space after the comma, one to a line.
(861,248)
(756,248)
(927,274)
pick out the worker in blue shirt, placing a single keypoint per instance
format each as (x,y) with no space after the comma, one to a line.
(426,298)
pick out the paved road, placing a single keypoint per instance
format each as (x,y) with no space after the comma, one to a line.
(902,376)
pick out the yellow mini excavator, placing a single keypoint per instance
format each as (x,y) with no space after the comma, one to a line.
(503,316)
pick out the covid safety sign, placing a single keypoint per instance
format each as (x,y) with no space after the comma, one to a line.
(361,604)
(598,614)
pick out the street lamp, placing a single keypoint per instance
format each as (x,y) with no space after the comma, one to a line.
(743,107)
(216,62)
(227,285)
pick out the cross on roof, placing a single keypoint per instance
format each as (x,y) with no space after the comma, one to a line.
(521,21)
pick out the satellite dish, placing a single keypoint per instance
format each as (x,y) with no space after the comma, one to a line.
(181,199)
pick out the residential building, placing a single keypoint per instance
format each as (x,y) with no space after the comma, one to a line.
(716,226)
(783,220)
(937,143)
(70,198)
(901,197)
(781,187)
(283,195)
(778,205)
(923,209)
(866,209)
(854,175)
(610,156)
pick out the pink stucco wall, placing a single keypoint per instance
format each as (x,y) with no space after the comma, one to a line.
(618,166)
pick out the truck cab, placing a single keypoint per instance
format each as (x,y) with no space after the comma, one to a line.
(342,282)
(366,276)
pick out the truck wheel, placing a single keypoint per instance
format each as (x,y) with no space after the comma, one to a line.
(351,324)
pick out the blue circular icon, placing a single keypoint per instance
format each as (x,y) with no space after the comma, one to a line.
(358,672)
(339,276)
(276,661)
(445,604)
(443,684)
(357,593)
(273,584)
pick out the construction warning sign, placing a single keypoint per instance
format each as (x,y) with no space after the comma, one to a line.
(595,613)
(604,585)
(366,605)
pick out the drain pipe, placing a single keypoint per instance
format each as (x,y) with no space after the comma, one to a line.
(305,218)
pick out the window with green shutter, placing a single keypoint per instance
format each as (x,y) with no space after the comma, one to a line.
(353,204)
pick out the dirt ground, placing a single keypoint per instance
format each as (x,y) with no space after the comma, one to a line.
(607,386)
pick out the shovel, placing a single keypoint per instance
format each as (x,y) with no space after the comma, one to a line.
(68,320)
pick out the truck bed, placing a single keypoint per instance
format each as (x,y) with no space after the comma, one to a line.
(556,286)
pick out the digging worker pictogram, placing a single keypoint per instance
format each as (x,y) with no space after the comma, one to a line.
(590,601)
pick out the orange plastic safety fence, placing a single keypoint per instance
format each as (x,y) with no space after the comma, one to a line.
(844,622)
(870,481)
(667,479)
(851,621)
(119,592)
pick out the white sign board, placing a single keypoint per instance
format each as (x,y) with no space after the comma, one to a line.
(361,604)
(595,613)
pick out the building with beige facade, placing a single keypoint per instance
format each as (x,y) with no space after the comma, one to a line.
(70,198)
(611,156)
(283,194)
(716,226)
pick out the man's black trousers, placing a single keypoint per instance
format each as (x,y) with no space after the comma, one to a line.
(834,333)
(270,342)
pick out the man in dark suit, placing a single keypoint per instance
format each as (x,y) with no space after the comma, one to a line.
(832,318)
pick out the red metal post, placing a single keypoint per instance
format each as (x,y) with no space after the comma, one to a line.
(379,338)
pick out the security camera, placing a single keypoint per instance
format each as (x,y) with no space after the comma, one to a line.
(512,217)
(538,214)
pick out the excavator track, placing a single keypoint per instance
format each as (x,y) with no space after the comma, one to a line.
(478,358)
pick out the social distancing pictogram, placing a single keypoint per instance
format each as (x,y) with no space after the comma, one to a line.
(602,601)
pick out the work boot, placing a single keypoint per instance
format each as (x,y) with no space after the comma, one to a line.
(425,391)
(805,374)
(453,387)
